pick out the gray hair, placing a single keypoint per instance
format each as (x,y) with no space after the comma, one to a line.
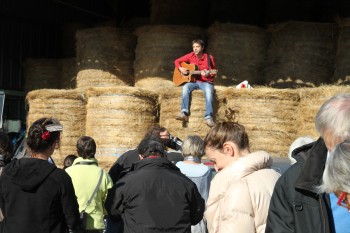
(333,117)
(193,146)
(336,173)
(300,141)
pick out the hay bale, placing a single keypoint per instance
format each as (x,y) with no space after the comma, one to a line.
(156,50)
(342,57)
(117,118)
(179,12)
(68,73)
(105,50)
(170,105)
(65,105)
(311,99)
(68,37)
(268,116)
(239,52)
(300,54)
(245,12)
(41,73)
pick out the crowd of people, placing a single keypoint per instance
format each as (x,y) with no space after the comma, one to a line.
(151,189)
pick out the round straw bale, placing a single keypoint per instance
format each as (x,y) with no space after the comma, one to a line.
(246,12)
(170,106)
(268,115)
(239,52)
(107,50)
(311,99)
(41,73)
(65,105)
(117,118)
(300,54)
(156,50)
(69,73)
(179,12)
(342,57)
(68,37)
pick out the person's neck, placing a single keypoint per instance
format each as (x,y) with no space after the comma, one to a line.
(192,160)
(40,155)
(200,55)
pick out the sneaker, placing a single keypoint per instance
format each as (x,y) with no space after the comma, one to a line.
(209,122)
(182,117)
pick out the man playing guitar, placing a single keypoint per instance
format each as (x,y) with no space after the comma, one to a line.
(204,81)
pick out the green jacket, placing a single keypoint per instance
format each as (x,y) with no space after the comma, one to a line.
(85,174)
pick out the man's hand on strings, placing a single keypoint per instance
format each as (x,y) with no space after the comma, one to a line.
(205,73)
(183,70)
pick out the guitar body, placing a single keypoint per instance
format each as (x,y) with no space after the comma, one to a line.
(180,78)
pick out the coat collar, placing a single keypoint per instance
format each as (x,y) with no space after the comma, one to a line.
(311,174)
(154,163)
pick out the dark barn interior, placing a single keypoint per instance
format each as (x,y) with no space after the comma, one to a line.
(44,29)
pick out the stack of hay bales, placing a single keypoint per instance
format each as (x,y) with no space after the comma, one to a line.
(105,57)
(342,57)
(42,73)
(222,111)
(267,114)
(170,106)
(311,99)
(245,12)
(239,52)
(117,118)
(65,105)
(179,12)
(68,37)
(301,54)
(157,48)
(68,73)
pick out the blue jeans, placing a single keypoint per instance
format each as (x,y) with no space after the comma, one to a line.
(208,90)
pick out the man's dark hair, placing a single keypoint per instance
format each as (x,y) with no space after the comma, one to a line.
(86,147)
(151,146)
(198,41)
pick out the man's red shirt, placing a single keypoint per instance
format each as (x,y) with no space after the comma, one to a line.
(201,63)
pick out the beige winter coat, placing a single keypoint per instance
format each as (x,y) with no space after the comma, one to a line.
(240,195)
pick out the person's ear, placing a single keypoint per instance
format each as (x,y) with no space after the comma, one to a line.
(228,149)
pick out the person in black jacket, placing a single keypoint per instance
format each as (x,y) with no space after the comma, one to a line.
(155,196)
(126,160)
(296,205)
(36,196)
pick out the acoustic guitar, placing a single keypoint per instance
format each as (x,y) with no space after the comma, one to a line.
(192,70)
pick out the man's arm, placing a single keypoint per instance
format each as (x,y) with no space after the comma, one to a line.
(280,216)
(184,58)
(114,201)
(197,206)
(212,66)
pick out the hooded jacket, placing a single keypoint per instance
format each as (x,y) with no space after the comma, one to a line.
(155,197)
(295,205)
(36,196)
(240,194)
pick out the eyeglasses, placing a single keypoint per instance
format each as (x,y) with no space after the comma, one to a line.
(342,202)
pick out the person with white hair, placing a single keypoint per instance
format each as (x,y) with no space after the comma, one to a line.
(300,141)
(296,204)
(336,175)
